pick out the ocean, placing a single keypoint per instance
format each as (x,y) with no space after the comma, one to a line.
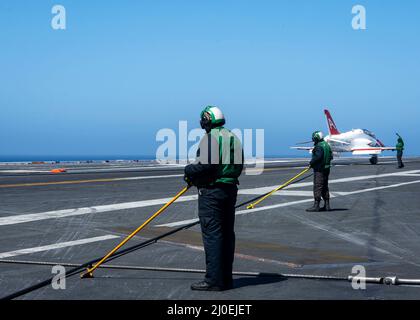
(64,158)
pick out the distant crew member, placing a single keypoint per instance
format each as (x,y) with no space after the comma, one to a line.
(400,150)
(321,164)
(215,173)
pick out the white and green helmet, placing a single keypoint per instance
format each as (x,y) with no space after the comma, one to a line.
(317,136)
(213,115)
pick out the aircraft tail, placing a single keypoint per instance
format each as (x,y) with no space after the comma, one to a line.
(332,128)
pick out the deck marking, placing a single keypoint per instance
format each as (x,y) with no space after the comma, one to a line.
(10,220)
(239,212)
(358,178)
(37,184)
(346,193)
(24,171)
(286,204)
(86,210)
(297,185)
(292,193)
(64,182)
(55,246)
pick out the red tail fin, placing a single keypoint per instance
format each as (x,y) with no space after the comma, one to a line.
(332,128)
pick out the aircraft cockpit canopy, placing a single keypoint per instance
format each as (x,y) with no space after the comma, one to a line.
(369,133)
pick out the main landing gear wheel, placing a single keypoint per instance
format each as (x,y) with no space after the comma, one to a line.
(374,160)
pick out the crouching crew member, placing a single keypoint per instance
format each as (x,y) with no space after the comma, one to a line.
(215,173)
(321,163)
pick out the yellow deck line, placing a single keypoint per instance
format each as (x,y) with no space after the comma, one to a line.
(37,184)
(34,184)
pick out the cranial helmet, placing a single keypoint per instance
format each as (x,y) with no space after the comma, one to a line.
(317,136)
(211,117)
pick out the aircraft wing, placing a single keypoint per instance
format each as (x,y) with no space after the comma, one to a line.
(306,142)
(338,141)
(309,149)
(302,148)
(371,150)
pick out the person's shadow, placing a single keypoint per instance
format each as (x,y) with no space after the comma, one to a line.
(263,278)
(335,209)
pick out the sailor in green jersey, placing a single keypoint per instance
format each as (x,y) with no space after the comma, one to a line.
(321,164)
(215,173)
(400,150)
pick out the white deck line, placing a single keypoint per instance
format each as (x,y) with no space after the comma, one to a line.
(286,204)
(55,246)
(23,218)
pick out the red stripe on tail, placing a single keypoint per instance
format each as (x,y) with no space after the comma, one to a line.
(332,128)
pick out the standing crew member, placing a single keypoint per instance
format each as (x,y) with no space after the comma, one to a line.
(400,149)
(215,173)
(321,163)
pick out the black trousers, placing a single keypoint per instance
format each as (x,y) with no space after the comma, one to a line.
(321,189)
(216,206)
(399,158)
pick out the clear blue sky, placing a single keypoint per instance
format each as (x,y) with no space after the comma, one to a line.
(124,69)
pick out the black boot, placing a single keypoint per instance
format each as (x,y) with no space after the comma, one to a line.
(315,207)
(326,205)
